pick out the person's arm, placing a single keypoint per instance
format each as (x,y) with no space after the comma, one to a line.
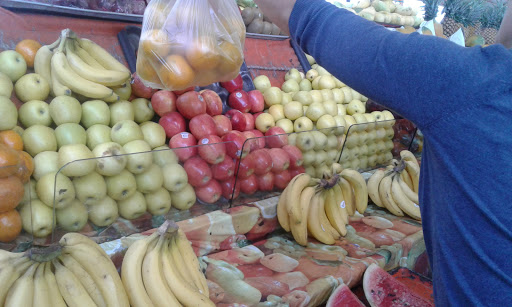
(504,35)
(421,77)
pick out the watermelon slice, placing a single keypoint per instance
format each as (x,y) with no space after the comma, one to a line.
(343,297)
(382,290)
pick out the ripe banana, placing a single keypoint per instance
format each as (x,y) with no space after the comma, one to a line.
(407,206)
(282,212)
(85,56)
(414,172)
(315,227)
(74,238)
(386,196)
(300,182)
(408,191)
(340,202)
(348,196)
(300,228)
(190,262)
(333,214)
(41,290)
(373,186)
(101,55)
(152,275)
(10,271)
(359,185)
(409,156)
(182,270)
(22,291)
(407,178)
(42,61)
(70,287)
(59,89)
(56,298)
(97,75)
(325,221)
(131,272)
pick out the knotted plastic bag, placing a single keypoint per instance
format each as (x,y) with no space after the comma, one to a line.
(188,43)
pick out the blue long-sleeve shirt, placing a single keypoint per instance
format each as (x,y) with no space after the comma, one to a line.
(461,99)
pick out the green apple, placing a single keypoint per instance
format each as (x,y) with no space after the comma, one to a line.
(332,142)
(163,155)
(326,83)
(45,162)
(380,134)
(352,139)
(287,97)
(363,138)
(35,112)
(184,199)
(355,106)
(262,83)
(380,147)
(372,149)
(381,159)
(355,95)
(338,95)
(389,145)
(95,112)
(327,94)
(331,107)
(315,111)
(303,124)
(325,124)
(290,86)
(372,136)
(76,160)
(293,74)
(12,64)
(18,130)
(303,97)
(311,75)
(314,83)
(346,164)
(37,219)
(98,134)
(372,160)
(293,110)
(121,186)
(104,212)
(175,177)
(320,140)
(347,94)
(349,122)
(9,114)
(340,123)
(158,202)
(142,109)
(370,118)
(346,155)
(111,159)
(124,91)
(363,150)
(316,96)
(305,141)
(277,111)
(139,156)
(90,189)
(339,84)
(311,171)
(342,110)
(153,133)
(363,162)
(286,124)
(150,180)
(264,122)
(272,96)
(126,131)
(355,164)
(120,111)
(32,87)
(29,192)
(6,86)
(292,138)
(55,190)
(305,85)
(322,170)
(304,109)
(361,121)
(132,207)
(65,109)
(39,138)
(73,217)
(363,98)
(390,133)
(320,158)
(341,141)
(308,157)
(322,71)
(70,133)
(389,118)
(388,156)
(379,118)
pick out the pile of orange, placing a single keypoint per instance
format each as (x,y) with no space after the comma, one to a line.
(16,167)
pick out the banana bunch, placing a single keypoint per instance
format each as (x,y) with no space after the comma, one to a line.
(396,187)
(321,207)
(162,270)
(78,66)
(79,273)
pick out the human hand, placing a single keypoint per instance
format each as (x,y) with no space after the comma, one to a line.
(278,11)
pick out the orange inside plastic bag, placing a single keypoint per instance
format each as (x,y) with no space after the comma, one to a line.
(190,43)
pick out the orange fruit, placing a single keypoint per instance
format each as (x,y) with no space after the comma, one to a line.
(176,73)
(9,161)
(11,193)
(26,167)
(146,71)
(10,225)
(12,139)
(202,54)
(231,60)
(28,49)
(156,44)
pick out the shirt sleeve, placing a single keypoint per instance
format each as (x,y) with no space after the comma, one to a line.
(421,77)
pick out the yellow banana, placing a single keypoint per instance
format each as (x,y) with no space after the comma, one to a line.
(97,75)
(10,271)
(59,89)
(315,227)
(282,212)
(186,295)
(360,190)
(85,279)
(131,272)
(190,261)
(387,198)
(333,214)
(348,196)
(406,178)
(407,206)
(414,172)
(300,182)
(112,98)
(182,270)
(413,196)
(324,220)
(21,294)
(409,156)
(101,55)
(85,56)
(340,202)
(56,298)
(42,61)
(41,291)
(70,287)
(373,186)
(6,255)
(71,239)
(152,275)
(300,228)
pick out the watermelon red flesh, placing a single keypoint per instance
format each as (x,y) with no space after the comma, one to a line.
(343,297)
(382,290)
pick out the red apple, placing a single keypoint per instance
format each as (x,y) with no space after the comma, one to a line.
(139,89)
(163,102)
(179,93)
(198,171)
(191,104)
(295,155)
(276,137)
(182,142)
(255,115)
(249,185)
(233,85)
(281,179)
(257,101)
(222,124)
(266,182)
(228,187)
(249,118)
(239,100)
(245,167)
(210,151)
(298,170)
(262,161)
(224,170)
(235,147)
(252,142)
(213,102)
(238,120)
(259,137)
(202,126)
(173,123)
(280,159)
(209,193)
